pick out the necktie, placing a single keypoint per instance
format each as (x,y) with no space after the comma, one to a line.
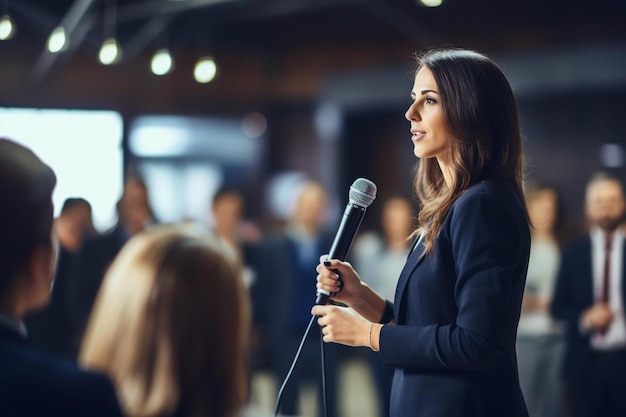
(606,282)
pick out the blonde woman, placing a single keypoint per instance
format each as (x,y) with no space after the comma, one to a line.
(170,326)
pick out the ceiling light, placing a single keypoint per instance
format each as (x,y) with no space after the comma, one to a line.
(7,28)
(57,40)
(431,3)
(205,70)
(110,52)
(162,62)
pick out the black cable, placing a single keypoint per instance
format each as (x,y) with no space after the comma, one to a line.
(293,365)
(322,349)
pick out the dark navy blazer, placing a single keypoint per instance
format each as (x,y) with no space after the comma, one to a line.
(33,384)
(456,312)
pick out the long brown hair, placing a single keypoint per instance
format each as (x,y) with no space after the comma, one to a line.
(170,326)
(482,116)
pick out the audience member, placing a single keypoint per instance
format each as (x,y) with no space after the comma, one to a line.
(170,326)
(284,293)
(227,210)
(540,339)
(31,382)
(590,297)
(381,256)
(52,328)
(134,215)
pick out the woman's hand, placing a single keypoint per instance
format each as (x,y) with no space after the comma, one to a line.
(342,325)
(345,291)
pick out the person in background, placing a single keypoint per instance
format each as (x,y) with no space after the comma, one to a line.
(134,215)
(589,297)
(74,224)
(170,326)
(34,383)
(540,339)
(450,335)
(380,256)
(227,210)
(283,294)
(52,328)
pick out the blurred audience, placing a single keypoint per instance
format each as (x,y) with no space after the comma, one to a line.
(227,210)
(31,382)
(74,224)
(590,297)
(170,326)
(380,256)
(52,328)
(240,238)
(284,293)
(540,339)
(134,215)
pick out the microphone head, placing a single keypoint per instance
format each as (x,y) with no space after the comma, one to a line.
(362,192)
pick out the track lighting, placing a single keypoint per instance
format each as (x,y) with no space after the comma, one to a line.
(7,28)
(205,70)
(162,62)
(57,41)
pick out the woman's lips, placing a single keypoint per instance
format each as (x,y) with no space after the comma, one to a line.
(417,135)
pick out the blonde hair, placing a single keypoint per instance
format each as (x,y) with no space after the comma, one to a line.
(170,326)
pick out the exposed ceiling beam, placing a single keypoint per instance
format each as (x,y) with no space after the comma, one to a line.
(150,8)
(146,34)
(411,28)
(73,19)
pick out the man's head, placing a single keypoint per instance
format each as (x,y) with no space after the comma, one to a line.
(74,223)
(604,202)
(227,209)
(27,250)
(310,205)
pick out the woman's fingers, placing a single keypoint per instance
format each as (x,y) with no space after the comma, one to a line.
(320,311)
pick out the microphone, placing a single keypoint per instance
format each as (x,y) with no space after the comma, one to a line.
(362,194)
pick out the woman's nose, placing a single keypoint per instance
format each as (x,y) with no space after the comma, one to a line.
(412,113)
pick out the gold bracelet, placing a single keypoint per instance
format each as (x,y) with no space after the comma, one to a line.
(369,337)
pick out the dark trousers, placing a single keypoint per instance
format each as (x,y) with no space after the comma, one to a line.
(603,393)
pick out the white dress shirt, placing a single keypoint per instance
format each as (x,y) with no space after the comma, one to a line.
(615,336)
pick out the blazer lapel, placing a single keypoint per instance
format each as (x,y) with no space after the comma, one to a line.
(414,258)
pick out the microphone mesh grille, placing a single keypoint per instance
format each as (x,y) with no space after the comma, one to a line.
(362,192)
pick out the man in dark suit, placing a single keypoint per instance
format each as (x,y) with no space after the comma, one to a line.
(97,252)
(284,293)
(590,295)
(52,329)
(32,383)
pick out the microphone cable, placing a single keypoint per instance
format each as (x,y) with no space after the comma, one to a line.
(293,365)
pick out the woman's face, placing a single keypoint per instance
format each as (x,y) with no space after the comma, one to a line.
(430,134)
(542,209)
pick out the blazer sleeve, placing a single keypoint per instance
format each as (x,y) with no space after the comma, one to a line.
(489,242)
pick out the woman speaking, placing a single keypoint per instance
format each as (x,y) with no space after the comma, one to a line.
(450,333)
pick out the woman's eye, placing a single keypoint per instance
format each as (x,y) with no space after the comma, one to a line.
(430,100)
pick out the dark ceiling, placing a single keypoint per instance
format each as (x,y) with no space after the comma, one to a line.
(274,36)
(271,24)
